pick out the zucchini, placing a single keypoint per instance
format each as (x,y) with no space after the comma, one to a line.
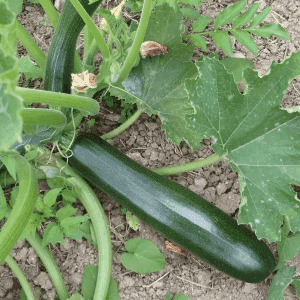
(60,58)
(173,210)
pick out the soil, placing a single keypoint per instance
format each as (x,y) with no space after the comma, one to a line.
(146,143)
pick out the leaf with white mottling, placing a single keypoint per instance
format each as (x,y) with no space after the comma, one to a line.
(260,140)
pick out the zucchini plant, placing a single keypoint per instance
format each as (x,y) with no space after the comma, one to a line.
(149,64)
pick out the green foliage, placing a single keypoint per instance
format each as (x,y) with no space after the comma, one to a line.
(193,101)
(132,220)
(177,297)
(30,71)
(143,256)
(280,282)
(88,285)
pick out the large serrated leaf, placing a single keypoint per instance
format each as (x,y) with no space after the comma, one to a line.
(157,83)
(229,13)
(280,282)
(260,140)
(287,247)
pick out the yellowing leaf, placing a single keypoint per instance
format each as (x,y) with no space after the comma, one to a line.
(116,11)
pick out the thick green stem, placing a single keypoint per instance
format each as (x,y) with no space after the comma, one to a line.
(99,221)
(21,277)
(23,207)
(93,29)
(188,166)
(124,126)
(139,37)
(42,116)
(89,54)
(88,38)
(6,179)
(33,49)
(88,105)
(49,263)
(51,12)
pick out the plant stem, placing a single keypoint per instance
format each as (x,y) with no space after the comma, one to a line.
(188,166)
(33,49)
(136,45)
(21,277)
(88,39)
(99,221)
(6,179)
(49,262)
(85,104)
(93,29)
(124,126)
(77,120)
(22,209)
(42,116)
(51,12)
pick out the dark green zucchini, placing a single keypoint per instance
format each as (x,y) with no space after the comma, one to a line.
(173,210)
(60,58)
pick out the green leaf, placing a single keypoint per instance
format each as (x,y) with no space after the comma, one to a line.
(86,229)
(236,66)
(168,296)
(15,6)
(271,29)
(259,139)
(65,212)
(195,3)
(287,247)
(199,41)
(51,196)
(13,195)
(69,195)
(181,297)
(53,235)
(223,41)
(190,13)
(89,280)
(10,165)
(260,17)
(30,71)
(113,293)
(245,39)
(246,17)
(143,257)
(57,182)
(10,103)
(76,296)
(30,155)
(73,233)
(132,220)
(3,204)
(90,123)
(280,282)
(200,24)
(33,224)
(229,13)
(144,83)
(67,222)
(296,284)
(50,171)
